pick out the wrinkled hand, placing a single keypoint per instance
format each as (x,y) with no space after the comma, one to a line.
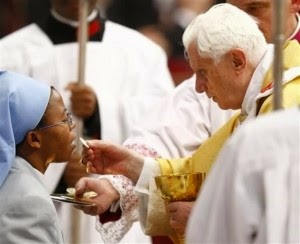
(107,158)
(179,213)
(83,100)
(106,194)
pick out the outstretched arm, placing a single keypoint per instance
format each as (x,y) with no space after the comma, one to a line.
(107,158)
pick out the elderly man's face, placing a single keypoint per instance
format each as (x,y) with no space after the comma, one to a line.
(262,10)
(225,82)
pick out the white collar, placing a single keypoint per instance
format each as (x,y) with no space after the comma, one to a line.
(297,27)
(25,166)
(72,23)
(257,80)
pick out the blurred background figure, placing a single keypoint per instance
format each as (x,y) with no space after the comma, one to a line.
(163,21)
(15,14)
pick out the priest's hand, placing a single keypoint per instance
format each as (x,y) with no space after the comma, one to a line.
(83,100)
(107,158)
(106,194)
(179,213)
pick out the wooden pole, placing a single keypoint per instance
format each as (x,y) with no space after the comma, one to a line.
(82,40)
(278,40)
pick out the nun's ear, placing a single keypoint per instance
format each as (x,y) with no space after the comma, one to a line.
(33,139)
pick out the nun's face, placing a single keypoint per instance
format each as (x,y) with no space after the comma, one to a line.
(57,137)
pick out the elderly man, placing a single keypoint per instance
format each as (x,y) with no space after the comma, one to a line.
(175,134)
(231,60)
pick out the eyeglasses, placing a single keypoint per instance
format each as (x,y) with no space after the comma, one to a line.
(68,120)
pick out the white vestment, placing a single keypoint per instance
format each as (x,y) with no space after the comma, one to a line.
(146,188)
(252,194)
(152,205)
(126,70)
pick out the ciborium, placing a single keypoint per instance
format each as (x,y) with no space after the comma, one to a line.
(179,187)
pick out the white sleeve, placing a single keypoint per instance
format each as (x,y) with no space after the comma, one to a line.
(134,206)
(114,231)
(30,52)
(151,205)
(150,82)
(149,171)
(144,81)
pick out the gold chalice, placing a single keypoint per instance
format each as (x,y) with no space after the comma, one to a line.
(179,187)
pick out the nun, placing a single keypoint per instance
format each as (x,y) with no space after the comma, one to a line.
(35,130)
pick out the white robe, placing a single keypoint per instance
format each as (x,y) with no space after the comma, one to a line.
(179,125)
(252,194)
(127,71)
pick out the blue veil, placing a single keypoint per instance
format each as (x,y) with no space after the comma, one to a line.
(23,102)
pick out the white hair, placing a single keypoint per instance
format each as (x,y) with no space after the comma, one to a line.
(222,28)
